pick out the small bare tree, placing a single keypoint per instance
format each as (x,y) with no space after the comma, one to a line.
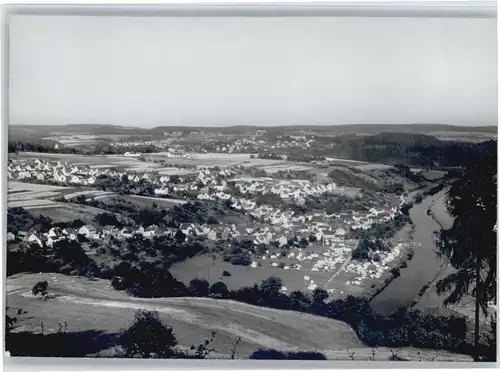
(233,349)
(203,349)
(351,354)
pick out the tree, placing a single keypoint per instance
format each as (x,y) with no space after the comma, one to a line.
(180,236)
(470,244)
(319,295)
(271,286)
(40,287)
(199,287)
(148,337)
(492,340)
(104,219)
(117,282)
(219,290)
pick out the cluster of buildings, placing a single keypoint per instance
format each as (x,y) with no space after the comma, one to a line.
(373,269)
(298,190)
(273,224)
(90,232)
(55,172)
(127,144)
(258,142)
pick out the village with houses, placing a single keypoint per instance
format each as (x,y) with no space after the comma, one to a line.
(316,185)
(316,241)
(169,221)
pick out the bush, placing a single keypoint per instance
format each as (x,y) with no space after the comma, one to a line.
(226,273)
(240,259)
(219,290)
(118,283)
(396,272)
(264,354)
(105,219)
(268,354)
(366,248)
(199,287)
(148,337)
(40,287)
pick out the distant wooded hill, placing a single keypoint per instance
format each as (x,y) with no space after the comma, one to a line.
(409,148)
(367,129)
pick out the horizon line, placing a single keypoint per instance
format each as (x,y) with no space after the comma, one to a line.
(250,125)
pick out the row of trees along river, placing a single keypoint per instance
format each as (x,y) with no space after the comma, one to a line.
(468,245)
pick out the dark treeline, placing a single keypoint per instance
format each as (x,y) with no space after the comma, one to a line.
(43,147)
(411,149)
(96,149)
(401,329)
(130,214)
(388,148)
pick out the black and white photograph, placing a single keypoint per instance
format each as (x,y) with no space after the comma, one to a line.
(287,184)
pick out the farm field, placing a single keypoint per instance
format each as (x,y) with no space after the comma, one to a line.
(30,195)
(79,302)
(215,159)
(205,267)
(285,167)
(141,201)
(462,136)
(372,166)
(25,186)
(87,193)
(433,174)
(37,199)
(336,278)
(93,161)
(64,212)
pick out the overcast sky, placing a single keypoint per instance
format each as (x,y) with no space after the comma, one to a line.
(253,71)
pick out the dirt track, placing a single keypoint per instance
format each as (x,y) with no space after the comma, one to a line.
(93,305)
(85,304)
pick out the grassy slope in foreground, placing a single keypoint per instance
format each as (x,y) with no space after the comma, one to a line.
(94,305)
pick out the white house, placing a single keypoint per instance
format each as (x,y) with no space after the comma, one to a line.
(212,235)
(282,241)
(10,237)
(125,233)
(187,229)
(34,239)
(340,231)
(53,233)
(89,231)
(161,192)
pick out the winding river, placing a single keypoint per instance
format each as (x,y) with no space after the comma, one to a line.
(424,266)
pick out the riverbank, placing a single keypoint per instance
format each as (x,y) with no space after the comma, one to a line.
(423,267)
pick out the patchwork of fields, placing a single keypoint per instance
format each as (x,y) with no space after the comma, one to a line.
(38,199)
